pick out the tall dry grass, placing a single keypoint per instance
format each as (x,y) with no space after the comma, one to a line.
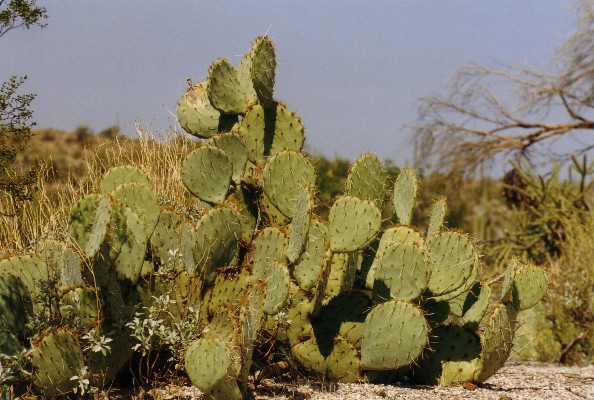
(46,216)
(570,302)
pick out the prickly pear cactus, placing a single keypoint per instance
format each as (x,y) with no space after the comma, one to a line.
(352,298)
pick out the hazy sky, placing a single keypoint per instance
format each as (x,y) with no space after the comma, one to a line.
(353,70)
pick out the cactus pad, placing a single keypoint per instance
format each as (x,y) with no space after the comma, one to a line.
(395,334)
(224,91)
(354,223)
(165,241)
(529,286)
(217,241)
(339,361)
(256,133)
(262,69)
(453,261)
(140,200)
(276,276)
(438,213)
(198,117)
(234,147)
(207,361)
(30,270)
(125,174)
(367,179)
(496,333)
(283,177)
(15,304)
(453,358)
(307,271)
(229,285)
(343,270)
(398,234)
(130,259)
(401,273)
(405,193)
(55,359)
(476,305)
(100,224)
(299,226)
(207,173)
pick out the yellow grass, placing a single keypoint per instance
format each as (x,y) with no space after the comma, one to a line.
(46,216)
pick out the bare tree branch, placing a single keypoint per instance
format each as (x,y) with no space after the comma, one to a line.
(512,111)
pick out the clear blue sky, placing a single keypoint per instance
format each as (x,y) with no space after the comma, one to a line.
(353,70)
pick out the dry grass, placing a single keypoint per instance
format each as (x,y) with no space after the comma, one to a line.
(570,302)
(70,167)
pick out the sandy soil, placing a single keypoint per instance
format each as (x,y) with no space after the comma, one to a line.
(516,381)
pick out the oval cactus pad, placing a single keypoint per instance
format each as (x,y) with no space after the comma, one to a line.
(354,223)
(282,178)
(394,334)
(207,174)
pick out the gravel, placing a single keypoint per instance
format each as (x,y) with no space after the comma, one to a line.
(515,381)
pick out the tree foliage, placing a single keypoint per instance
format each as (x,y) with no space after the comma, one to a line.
(15,114)
(20,13)
(511,111)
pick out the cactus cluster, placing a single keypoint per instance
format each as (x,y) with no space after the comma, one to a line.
(361,300)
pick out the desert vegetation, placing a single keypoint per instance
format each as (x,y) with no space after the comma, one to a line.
(223,253)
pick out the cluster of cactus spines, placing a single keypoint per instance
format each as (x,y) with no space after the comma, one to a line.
(360,300)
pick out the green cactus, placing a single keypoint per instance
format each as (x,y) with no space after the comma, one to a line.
(269,246)
(276,276)
(15,304)
(283,176)
(207,363)
(309,268)
(198,117)
(438,213)
(229,286)
(342,274)
(354,223)
(394,235)
(401,273)
(217,237)
(142,201)
(453,261)
(248,211)
(395,334)
(298,228)
(69,268)
(125,174)
(475,305)
(207,174)
(80,307)
(453,357)
(55,359)
(256,133)
(32,273)
(350,299)
(339,362)
(224,90)
(262,67)
(367,179)
(99,227)
(496,333)
(406,187)
(529,286)
(165,241)
(234,147)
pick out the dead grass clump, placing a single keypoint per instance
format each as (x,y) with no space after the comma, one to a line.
(59,187)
